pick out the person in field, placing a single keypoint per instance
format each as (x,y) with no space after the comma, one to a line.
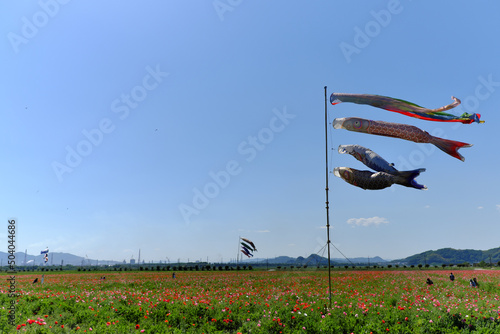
(475,282)
(429,281)
(472,283)
(35,281)
(452,277)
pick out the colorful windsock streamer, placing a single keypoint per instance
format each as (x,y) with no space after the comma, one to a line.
(250,243)
(402,131)
(376,162)
(373,181)
(247,247)
(246,253)
(408,108)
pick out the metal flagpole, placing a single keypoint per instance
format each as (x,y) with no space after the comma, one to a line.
(327,207)
(238,251)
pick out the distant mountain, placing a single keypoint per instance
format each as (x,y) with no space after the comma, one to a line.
(314,259)
(55,258)
(452,256)
(282,259)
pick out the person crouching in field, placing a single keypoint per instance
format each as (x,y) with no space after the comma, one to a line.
(429,282)
(475,282)
(472,284)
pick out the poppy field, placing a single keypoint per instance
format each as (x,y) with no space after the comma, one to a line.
(364,301)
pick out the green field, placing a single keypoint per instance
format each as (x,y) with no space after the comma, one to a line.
(253,302)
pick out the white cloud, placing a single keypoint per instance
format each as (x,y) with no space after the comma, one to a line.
(498,207)
(427,206)
(367,221)
(480,207)
(263,231)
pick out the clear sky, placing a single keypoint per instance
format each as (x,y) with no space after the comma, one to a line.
(175,127)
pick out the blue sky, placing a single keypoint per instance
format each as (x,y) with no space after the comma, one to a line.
(176,127)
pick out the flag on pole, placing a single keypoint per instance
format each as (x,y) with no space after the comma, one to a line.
(247,247)
(45,254)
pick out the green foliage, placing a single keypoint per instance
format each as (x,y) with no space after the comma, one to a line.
(450,256)
(288,301)
(483,264)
